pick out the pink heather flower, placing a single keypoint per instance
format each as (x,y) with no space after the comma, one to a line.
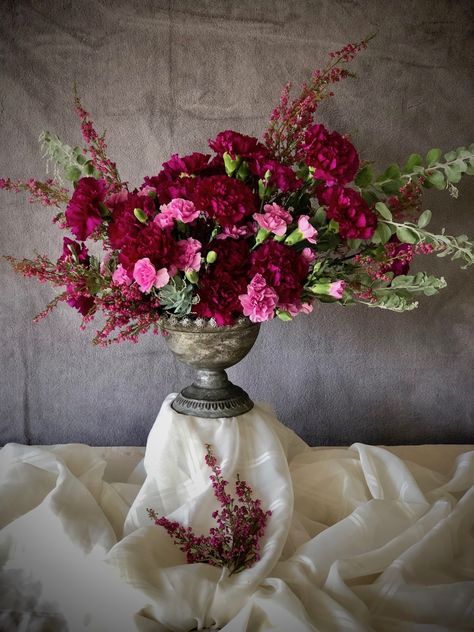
(336,289)
(260,301)
(146,276)
(188,254)
(120,276)
(308,255)
(275,219)
(308,231)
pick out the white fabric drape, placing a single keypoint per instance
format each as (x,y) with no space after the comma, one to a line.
(359,539)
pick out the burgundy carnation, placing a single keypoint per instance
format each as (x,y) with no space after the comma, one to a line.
(399,256)
(180,174)
(80,250)
(284,269)
(83,214)
(152,242)
(282,177)
(237,144)
(224,199)
(80,301)
(123,224)
(333,157)
(349,209)
(222,283)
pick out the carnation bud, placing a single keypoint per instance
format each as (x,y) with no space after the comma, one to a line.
(321,288)
(140,215)
(261,236)
(192,276)
(230,164)
(294,237)
(283,315)
(211,256)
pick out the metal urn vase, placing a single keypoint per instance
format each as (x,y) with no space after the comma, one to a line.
(210,349)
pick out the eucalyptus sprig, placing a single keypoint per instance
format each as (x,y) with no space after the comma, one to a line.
(70,163)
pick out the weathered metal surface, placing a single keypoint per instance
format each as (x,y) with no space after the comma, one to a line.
(211,349)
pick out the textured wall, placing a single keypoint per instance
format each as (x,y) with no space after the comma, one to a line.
(164,77)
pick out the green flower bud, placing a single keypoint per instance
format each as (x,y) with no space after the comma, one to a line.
(140,215)
(230,164)
(285,316)
(211,256)
(192,276)
(321,288)
(294,237)
(261,235)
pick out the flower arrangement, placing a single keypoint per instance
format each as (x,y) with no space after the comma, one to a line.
(234,543)
(255,229)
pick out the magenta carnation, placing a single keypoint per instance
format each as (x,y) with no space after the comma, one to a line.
(222,283)
(224,199)
(332,156)
(237,144)
(83,213)
(73,248)
(80,300)
(123,223)
(284,269)
(350,211)
(281,176)
(151,242)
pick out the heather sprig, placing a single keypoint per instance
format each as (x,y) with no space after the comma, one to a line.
(97,147)
(48,192)
(290,120)
(241,521)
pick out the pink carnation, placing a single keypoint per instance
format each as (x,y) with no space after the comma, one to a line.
(236,232)
(188,254)
(146,276)
(120,276)
(260,301)
(296,308)
(308,255)
(179,210)
(307,229)
(336,289)
(275,219)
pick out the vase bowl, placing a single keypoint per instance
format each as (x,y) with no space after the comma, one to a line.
(210,350)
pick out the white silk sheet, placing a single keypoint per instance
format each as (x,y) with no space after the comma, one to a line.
(359,538)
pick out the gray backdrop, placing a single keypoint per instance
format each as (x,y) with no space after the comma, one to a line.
(163,77)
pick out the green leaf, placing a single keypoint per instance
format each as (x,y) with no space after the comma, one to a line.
(424,218)
(243,171)
(406,236)
(392,172)
(453,173)
(72,174)
(319,217)
(370,197)
(364,177)
(414,160)
(384,211)
(437,179)
(433,156)
(382,234)
(354,244)
(392,187)
(451,155)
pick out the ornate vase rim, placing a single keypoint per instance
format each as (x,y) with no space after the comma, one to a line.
(207,325)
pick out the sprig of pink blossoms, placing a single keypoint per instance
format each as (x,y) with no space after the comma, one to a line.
(235,542)
(47,193)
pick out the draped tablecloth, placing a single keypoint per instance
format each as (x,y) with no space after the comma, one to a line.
(359,538)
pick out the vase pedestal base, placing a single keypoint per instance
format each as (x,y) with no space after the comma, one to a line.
(212,395)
